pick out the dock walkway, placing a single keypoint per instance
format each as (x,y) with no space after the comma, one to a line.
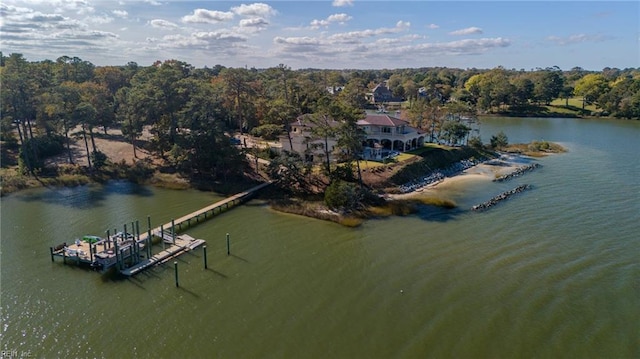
(202,213)
(182,244)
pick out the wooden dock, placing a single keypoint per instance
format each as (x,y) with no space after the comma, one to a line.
(201,214)
(129,259)
(183,243)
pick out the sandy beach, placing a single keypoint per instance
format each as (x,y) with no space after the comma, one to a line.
(486,171)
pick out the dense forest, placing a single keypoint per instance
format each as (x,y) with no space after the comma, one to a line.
(190,111)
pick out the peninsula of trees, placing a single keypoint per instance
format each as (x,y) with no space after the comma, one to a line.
(190,112)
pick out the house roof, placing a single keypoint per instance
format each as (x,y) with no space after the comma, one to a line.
(382,120)
(306,120)
(370,119)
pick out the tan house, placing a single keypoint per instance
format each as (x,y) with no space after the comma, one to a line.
(304,141)
(384,135)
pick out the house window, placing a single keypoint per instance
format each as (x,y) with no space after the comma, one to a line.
(386,130)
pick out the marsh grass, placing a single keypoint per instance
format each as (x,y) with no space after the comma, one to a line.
(169,181)
(350,221)
(438,202)
(67,180)
(535,148)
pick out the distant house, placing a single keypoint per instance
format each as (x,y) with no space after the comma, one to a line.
(381,94)
(334,90)
(384,135)
(304,142)
(429,93)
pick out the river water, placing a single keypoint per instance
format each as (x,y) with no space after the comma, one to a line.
(553,272)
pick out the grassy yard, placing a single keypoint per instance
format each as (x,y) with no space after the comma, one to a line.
(575,106)
(405,156)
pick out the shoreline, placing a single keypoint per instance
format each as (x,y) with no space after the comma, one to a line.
(506,165)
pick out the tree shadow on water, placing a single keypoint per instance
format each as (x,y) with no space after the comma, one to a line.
(86,196)
(438,214)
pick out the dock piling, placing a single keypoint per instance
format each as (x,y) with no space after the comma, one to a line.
(148,241)
(117,253)
(162,236)
(137,241)
(175,265)
(204,249)
(228,245)
(173,231)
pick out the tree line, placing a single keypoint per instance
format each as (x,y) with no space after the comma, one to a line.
(190,111)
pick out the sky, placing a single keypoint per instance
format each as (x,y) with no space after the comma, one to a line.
(332,34)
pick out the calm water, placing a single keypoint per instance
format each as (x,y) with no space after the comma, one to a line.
(552,273)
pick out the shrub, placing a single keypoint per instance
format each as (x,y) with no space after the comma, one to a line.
(268,132)
(341,195)
(499,141)
(343,173)
(475,142)
(98,159)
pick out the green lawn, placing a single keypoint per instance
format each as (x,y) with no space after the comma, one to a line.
(575,105)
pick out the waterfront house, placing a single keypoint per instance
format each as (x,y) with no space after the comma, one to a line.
(387,134)
(384,136)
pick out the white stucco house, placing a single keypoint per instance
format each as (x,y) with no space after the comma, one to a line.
(384,135)
(304,141)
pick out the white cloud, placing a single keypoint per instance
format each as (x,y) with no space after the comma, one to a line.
(153,2)
(304,41)
(162,24)
(403,24)
(433,26)
(205,16)
(577,38)
(335,18)
(354,36)
(220,35)
(99,19)
(256,22)
(392,49)
(341,3)
(466,46)
(396,40)
(220,40)
(339,18)
(23,20)
(256,9)
(120,13)
(467,31)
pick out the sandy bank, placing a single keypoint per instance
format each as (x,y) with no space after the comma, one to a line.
(486,171)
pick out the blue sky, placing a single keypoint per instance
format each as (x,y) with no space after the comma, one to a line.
(338,34)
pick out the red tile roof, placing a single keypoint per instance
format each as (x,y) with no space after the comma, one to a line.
(382,120)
